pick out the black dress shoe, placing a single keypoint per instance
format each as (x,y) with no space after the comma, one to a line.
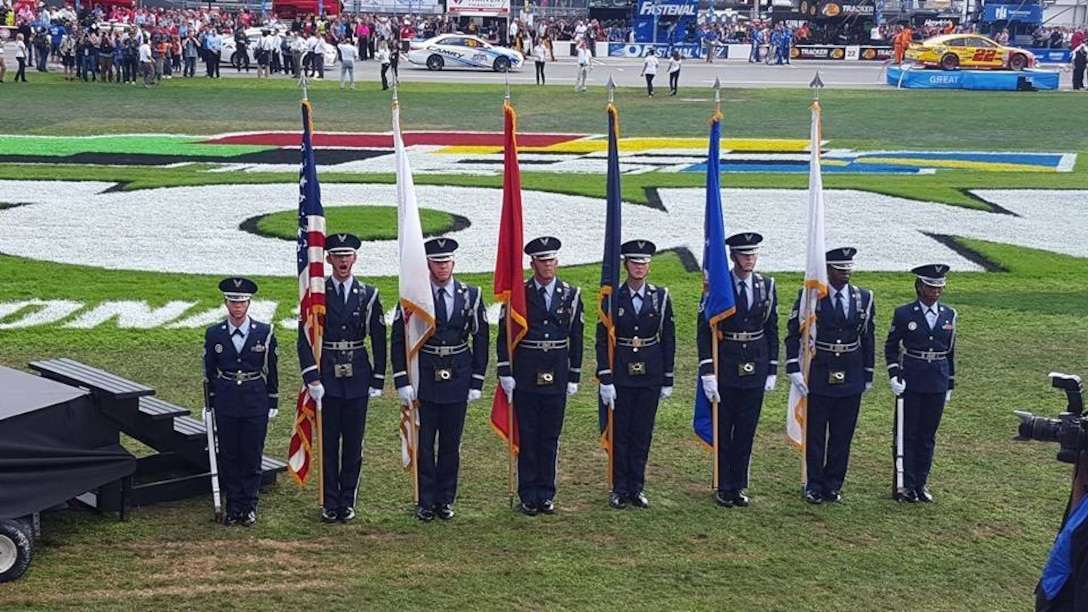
(528,509)
(833,497)
(346,514)
(232,519)
(547,506)
(924,495)
(724,499)
(814,498)
(248,519)
(740,498)
(640,501)
(909,496)
(424,514)
(329,515)
(617,501)
(444,512)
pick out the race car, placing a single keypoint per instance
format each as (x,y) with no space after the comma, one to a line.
(463,51)
(951,51)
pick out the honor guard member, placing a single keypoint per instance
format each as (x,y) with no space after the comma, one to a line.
(346,380)
(240,369)
(641,374)
(921,366)
(547,367)
(840,371)
(451,374)
(747,366)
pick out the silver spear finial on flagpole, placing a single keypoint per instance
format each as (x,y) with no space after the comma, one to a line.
(816,85)
(304,84)
(506,81)
(611,86)
(717,95)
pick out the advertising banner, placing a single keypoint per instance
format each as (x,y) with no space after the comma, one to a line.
(662,21)
(478,7)
(664,50)
(1012,12)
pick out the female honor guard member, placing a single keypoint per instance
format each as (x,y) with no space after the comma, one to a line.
(921,366)
(452,365)
(747,366)
(641,374)
(346,379)
(840,372)
(241,374)
(547,367)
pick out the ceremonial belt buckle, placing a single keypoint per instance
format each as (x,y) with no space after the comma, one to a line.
(239,376)
(743,336)
(838,347)
(545,378)
(443,374)
(445,351)
(928,356)
(746,369)
(344,345)
(636,368)
(836,377)
(343,370)
(545,345)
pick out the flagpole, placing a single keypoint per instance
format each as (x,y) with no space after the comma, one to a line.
(612,330)
(713,332)
(511,457)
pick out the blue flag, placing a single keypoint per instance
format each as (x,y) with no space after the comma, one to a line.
(718,302)
(610,266)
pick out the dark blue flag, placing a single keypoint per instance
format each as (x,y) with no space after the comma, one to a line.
(718,302)
(610,265)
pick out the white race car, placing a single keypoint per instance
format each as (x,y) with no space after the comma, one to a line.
(463,51)
(230,55)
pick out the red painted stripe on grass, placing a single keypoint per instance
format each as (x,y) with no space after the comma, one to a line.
(446,139)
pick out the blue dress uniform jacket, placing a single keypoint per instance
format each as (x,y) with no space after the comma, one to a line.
(655,331)
(351,321)
(845,346)
(246,384)
(466,327)
(760,319)
(564,320)
(923,358)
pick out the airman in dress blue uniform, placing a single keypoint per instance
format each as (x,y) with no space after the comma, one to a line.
(641,374)
(920,351)
(547,367)
(840,372)
(240,370)
(452,365)
(747,366)
(345,380)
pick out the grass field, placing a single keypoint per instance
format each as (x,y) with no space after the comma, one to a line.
(980,547)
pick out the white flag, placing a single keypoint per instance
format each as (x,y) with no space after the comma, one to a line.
(416,299)
(814,290)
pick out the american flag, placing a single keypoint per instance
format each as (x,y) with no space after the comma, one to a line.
(311,293)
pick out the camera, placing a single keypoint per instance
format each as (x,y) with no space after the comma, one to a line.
(1069,430)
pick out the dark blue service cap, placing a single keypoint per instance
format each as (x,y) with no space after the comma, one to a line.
(237,289)
(745,243)
(440,249)
(545,247)
(841,258)
(932,274)
(638,251)
(342,244)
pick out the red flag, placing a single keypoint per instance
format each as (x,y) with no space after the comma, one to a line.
(509,280)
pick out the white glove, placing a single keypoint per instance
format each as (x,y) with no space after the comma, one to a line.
(772,380)
(868,387)
(508,383)
(272,412)
(798,381)
(474,394)
(407,394)
(666,392)
(710,388)
(898,386)
(572,388)
(374,392)
(316,390)
(608,395)
(948,396)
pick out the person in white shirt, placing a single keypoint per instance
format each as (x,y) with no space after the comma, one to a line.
(20,57)
(263,53)
(347,61)
(649,70)
(385,59)
(674,72)
(540,55)
(147,64)
(584,58)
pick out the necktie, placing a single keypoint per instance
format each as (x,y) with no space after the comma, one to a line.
(742,296)
(544,297)
(839,304)
(636,303)
(440,306)
(931,317)
(340,291)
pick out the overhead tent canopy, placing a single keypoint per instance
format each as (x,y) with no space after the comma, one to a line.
(54,444)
